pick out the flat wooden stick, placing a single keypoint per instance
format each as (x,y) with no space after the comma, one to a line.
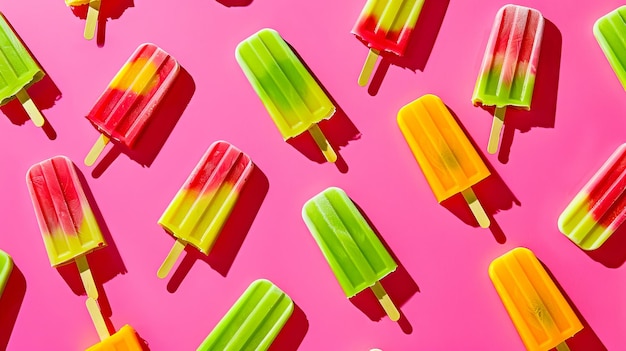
(92,19)
(96,317)
(29,106)
(96,149)
(368,67)
(496,130)
(171,258)
(87,277)
(562,347)
(476,207)
(323,143)
(385,301)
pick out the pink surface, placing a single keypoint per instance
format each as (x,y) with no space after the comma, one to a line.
(447,300)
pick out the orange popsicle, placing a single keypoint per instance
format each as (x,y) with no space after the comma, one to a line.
(542,316)
(447,158)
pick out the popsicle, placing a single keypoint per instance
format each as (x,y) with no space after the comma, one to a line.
(291,95)
(447,158)
(600,207)
(124,340)
(353,251)
(92,15)
(610,32)
(18,71)
(509,67)
(125,108)
(253,322)
(201,207)
(385,26)
(68,226)
(540,313)
(6,266)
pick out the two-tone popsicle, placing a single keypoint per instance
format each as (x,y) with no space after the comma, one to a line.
(599,208)
(354,252)
(385,26)
(509,67)
(18,71)
(68,226)
(447,158)
(610,32)
(541,314)
(127,105)
(291,95)
(253,322)
(201,207)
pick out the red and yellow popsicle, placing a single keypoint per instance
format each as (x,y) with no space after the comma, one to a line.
(68,226)
(385,26)
(201,207)
(125,108)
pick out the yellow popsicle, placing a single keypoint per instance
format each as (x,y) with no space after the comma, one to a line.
(540,313)
(447,158)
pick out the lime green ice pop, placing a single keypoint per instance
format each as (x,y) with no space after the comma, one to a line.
(253,322)
(610,31)
(289,92)
(6,266)
(353,251)
(18,71)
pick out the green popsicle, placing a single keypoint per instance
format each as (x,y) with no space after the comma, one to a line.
(610,31)
(253,322)
(353,251)
(293,98)
(6,266)
(18,71)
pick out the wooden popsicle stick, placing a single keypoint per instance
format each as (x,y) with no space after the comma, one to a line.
(476,207)
(496,130)
(562,347)
(171,258)
(92,19)
(96,317)
(323,143)
(368,67)
(96,149)
(385,301)
(87,277)
(32,110)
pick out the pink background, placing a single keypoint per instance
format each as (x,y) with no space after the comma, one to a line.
(442,286)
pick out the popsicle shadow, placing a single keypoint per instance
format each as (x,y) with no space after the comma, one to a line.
(229,241)
(109,9)
(292,334)
(105,263)
(399,285)
(543,110)
(612,253)
(235,3)
(145,346)
(10,304)
(586,339)
(158,130)
(339,130)
(492,192)
(420,44)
